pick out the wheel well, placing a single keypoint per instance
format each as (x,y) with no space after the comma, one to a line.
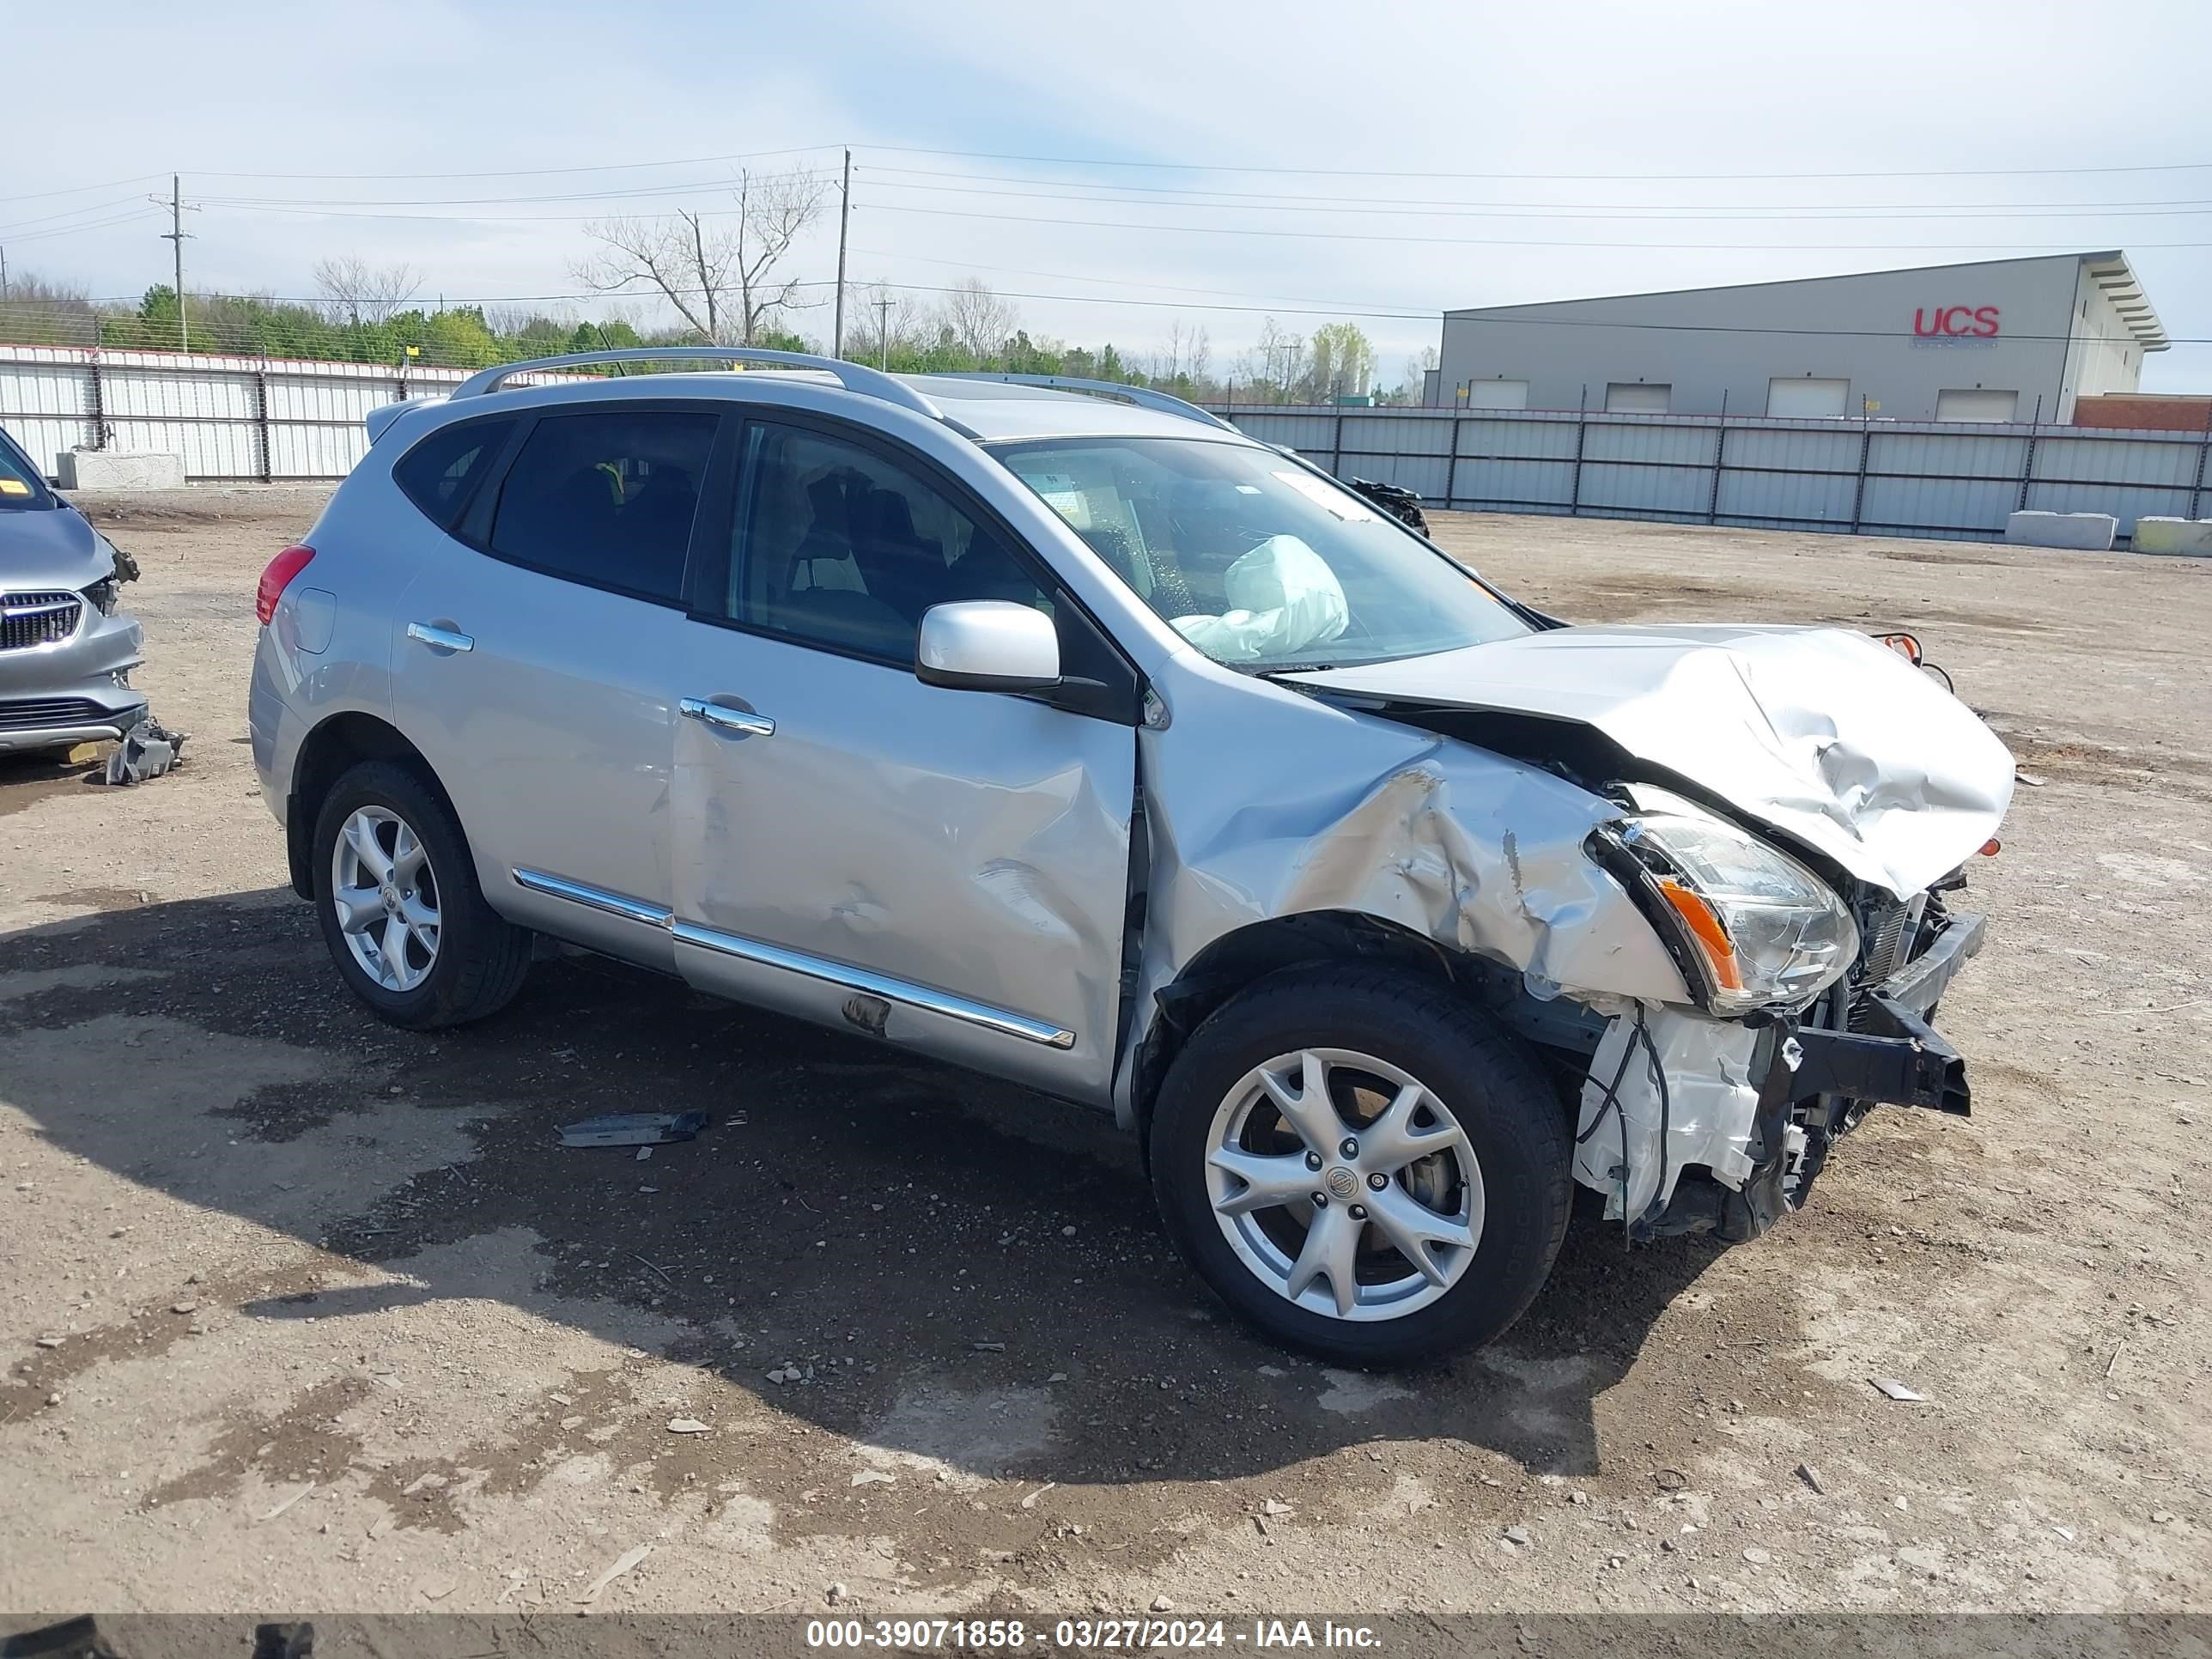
(1241,959)
(329,751)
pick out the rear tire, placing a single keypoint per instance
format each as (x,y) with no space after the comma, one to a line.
(1446,1212)
(396,893)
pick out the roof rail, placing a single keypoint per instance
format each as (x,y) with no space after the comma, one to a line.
(853,377)
(1142,395)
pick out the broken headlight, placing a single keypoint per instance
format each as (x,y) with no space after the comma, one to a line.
(103,596)
(1752,927)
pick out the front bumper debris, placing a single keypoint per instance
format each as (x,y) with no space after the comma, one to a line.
(1898,1059)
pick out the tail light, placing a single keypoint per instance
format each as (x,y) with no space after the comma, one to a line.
(276,578)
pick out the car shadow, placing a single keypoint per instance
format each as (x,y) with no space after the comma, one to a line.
(879,1231)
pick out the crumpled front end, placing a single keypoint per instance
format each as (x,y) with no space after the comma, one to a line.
(1722,1002)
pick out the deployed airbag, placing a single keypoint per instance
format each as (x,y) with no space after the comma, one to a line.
(1284,599)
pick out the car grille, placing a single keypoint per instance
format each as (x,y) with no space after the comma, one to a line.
(29,619)
(28,714)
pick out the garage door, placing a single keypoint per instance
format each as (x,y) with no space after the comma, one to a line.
(1977,405)
(1497,394)
(1641,398)
(1806,398)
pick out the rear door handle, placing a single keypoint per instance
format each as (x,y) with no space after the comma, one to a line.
(440,639)
(736,721)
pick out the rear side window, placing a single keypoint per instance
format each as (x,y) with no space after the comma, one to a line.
(607,498)
(438,473)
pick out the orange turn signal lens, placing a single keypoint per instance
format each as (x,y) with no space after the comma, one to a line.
(1991,847)
(1904,645)
(1705,926)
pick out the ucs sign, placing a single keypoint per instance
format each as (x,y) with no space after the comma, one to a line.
(1955,322)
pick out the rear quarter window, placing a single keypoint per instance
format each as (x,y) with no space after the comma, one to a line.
(439,473)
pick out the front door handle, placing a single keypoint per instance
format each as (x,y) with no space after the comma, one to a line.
(736,722)
(440,639)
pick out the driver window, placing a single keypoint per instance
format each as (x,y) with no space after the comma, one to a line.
(836,545)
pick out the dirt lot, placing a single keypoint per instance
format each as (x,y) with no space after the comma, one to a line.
(301,1312)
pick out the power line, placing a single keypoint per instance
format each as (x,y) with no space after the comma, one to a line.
(70,213)
(1125,164)
(1422,202)
(1544,211)
(1352,306)
(1500,241)
(686,187)
(534,172)
(79,190)
(136,217)
(1364,172)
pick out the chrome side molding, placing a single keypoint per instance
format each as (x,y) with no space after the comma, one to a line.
(882,985)
(593,898)
(982,1014)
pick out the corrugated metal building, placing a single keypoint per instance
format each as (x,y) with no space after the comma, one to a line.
(1995,340)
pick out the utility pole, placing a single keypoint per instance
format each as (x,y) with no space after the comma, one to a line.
(844,222)
(884,347)
(3,273)
(174,236)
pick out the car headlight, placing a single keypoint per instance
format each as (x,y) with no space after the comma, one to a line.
(1753,927)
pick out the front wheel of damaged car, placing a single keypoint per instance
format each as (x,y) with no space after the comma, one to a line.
(1362,1166)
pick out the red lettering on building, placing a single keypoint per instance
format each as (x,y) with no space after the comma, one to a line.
(1981,321)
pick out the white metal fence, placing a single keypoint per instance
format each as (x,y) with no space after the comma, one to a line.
(231,418)
(1888,477)
(251,418)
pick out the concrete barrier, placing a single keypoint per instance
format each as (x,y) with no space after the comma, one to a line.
(2083,532)
(108,469)
(2190,538)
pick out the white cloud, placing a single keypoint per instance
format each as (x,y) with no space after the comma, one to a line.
(1609,88)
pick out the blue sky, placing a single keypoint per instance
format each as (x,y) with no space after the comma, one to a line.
(1401,159)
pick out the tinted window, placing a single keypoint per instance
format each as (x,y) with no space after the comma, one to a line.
(606,498)
(20,483)
(438,472)
(837,545)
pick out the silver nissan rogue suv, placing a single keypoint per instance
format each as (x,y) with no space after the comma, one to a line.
(1062,732)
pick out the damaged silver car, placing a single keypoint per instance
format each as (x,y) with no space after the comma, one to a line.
(66,646)
(1070,735)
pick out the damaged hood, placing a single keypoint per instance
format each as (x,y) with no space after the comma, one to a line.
(54,547)
(1822,734)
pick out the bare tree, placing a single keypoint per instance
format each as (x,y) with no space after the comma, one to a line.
(774,210)
(1415,385)
(355,291)
(979,319)
(1276,362)
(686,264)
(696,267)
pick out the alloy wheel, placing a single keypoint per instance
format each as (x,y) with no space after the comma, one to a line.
(1345,1184)
(385,896)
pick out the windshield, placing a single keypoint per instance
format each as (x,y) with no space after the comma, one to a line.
(20,483)
(1260,562)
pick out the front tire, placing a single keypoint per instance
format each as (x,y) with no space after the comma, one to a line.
(396,893)
(1361,1165)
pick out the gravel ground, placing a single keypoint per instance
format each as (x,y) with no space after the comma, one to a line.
(301,1312)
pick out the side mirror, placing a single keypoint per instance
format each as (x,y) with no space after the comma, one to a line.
(987,645)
